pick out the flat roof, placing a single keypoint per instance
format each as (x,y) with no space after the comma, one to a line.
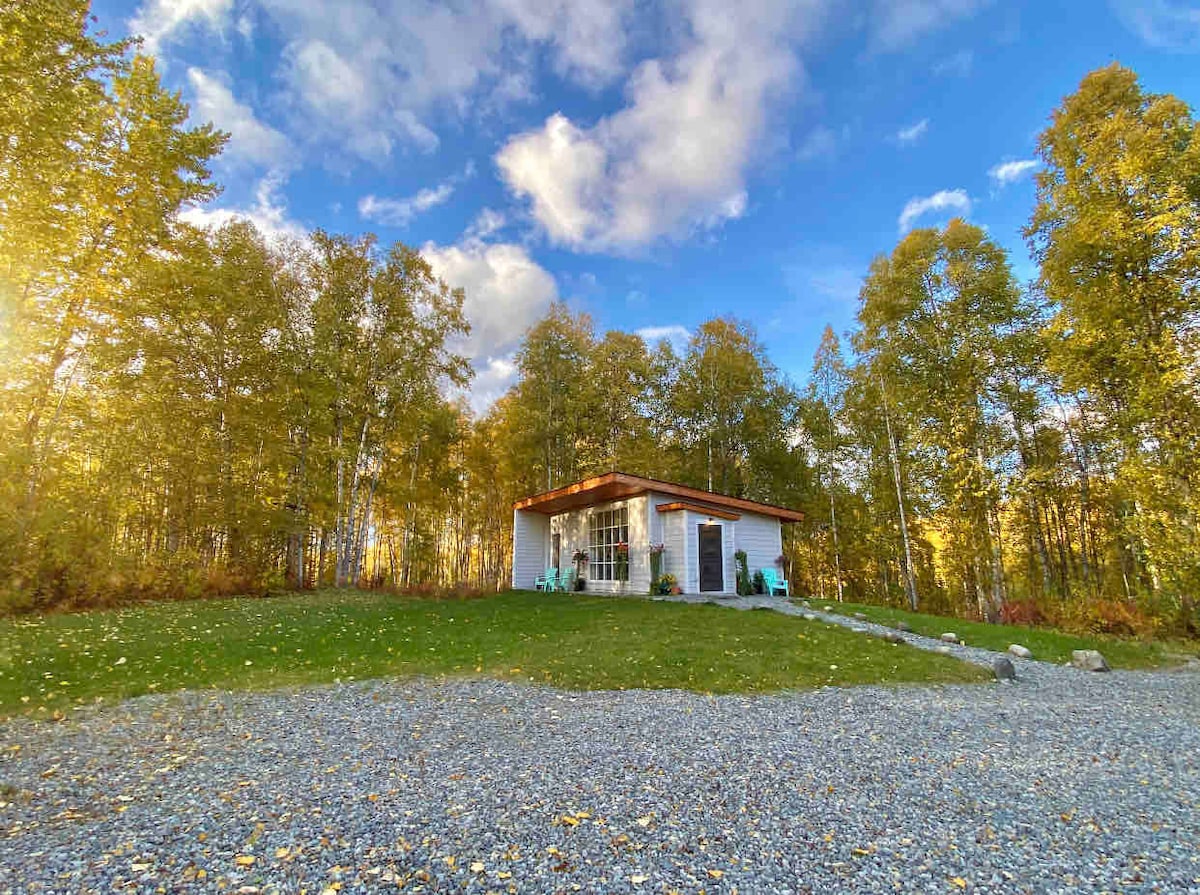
(618,485)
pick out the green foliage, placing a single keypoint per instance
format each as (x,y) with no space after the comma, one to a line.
(744,586)
(188,413)
(1045,643)
(1118,207)
(557,639)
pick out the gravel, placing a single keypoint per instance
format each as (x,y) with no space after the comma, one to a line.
(1062,782)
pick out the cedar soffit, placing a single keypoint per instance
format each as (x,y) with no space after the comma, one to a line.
(619,485)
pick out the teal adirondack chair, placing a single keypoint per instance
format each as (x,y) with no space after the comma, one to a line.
(774,583)
(547,581)
(565,579)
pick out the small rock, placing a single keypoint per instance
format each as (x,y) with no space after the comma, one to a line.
(1019,651)
(860,616)
(1003,669)
(892,637)
(809,617)
(904,626)
(1089,660)
(945,651)
(949,637)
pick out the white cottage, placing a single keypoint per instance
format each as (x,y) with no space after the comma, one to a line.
(700,531)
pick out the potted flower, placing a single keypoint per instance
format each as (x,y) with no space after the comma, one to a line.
(656,555)
(580,558)
(622,561)
(667,584)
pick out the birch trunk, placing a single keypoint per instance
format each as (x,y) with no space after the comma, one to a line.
(909,579)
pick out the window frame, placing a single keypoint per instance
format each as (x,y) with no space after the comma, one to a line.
(607,529)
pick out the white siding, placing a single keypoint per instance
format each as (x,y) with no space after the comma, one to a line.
(762,539)
(760,536)
(667,529)
(573,527)
(531,547)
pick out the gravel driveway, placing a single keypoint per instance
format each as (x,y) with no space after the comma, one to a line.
(1064,782)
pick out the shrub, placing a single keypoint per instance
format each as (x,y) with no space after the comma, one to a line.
(1023,612)
(743,574)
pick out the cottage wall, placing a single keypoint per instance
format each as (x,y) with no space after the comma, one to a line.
(573,528)
(531,547)
(762,539)
(760,536)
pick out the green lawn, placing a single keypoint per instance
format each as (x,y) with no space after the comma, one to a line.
(53,662)
(1045,643)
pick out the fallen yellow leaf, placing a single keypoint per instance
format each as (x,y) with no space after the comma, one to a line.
(477,867)
(245,860)
(644,821)
(959,881)
(716,874)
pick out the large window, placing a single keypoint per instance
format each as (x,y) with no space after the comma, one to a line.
(608,545)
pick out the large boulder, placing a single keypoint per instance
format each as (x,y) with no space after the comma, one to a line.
(904,626)
(949,637)
(1089,660)
(1019,651)
(1003,669)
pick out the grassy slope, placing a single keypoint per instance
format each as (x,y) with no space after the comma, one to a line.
(1046,643)
(573,641)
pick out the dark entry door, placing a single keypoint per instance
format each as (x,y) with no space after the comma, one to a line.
(556,551)
(712,574)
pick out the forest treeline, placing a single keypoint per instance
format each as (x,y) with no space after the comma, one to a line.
(188,412)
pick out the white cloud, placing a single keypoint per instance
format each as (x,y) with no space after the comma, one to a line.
(249,138)
(676,157)
(157,21)
(895,24)
(906,136)
(506,291)
(953,201)
(486,223)
(376,76)
(678,336)
(400,212)
(1165,24)
(493,377)
(268,213)
(1010,172)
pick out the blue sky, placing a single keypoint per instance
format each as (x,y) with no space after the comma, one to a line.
(653,164)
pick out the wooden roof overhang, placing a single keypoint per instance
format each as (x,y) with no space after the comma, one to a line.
(697,508)
(619,485)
